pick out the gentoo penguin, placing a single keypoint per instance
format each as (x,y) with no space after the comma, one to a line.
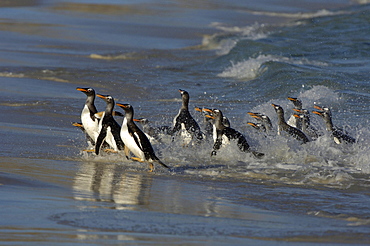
(209,127)
(89,120)
(293,121)
(284,127)
(338,135)
(185,123)
(135,140)
(305,121)
(258,126)
(264,122)
(222,135)
(109,129)
(225,120)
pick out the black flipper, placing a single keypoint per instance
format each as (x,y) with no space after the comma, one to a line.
(101,137)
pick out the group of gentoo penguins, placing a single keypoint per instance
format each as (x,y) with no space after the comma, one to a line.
(103,132)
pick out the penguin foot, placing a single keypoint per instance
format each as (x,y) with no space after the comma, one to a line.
(137,159)
(89,150)
(110,151)
(151,167)
(127,152)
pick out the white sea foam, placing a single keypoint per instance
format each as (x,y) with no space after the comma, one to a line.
(247,69)
(226,40)
(252,32)
(299,15)
(252,68)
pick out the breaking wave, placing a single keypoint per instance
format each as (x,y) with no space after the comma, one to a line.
(253,67)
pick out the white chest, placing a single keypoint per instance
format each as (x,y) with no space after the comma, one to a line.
(130,142)
(225,140)
(91,126)
(185,135)
(110,139)
(292,121)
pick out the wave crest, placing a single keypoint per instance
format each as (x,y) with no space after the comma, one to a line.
(252,68)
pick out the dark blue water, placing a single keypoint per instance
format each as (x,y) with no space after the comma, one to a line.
(237,56)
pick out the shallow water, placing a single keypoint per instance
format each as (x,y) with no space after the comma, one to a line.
(236,56)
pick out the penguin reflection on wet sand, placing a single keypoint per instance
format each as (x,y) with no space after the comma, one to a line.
(284,127)
(109,128)
(337,134)
(136,140)
(185,123)
(223,135)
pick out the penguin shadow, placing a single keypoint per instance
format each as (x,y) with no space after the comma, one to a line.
(112,183)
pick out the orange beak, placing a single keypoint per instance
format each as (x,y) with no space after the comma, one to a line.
(207,110)
(198,109)
(318,107)
(81,89)
(101,96)
(122,105)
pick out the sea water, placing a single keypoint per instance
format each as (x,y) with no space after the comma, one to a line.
(237,56)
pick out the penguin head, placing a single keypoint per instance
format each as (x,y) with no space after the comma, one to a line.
(265,117)
(203,110)
(277,107)
(257,116)
(323,114)
(185,98)
(206,111)
(257,126)
(107,98)
(143,121)
(184,94)
(87,91)
(323,111)
(125,106)
(302,111)
(211,113)
(297,103)
(217,114)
